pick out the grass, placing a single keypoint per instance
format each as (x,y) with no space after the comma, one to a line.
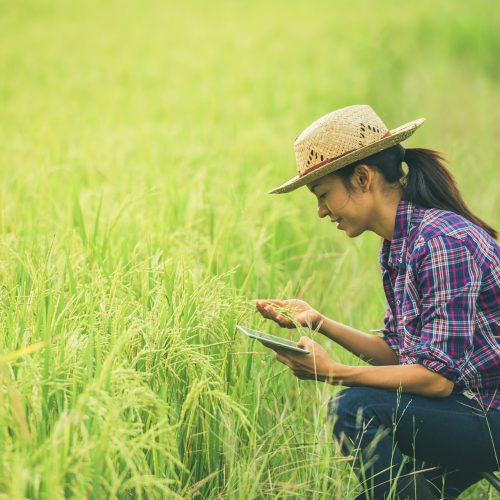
(138,143)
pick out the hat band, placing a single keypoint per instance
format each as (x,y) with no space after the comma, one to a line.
(329,160)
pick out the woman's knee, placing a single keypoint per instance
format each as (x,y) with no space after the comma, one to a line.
(354,407)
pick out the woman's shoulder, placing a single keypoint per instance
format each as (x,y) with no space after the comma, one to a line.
(438,227)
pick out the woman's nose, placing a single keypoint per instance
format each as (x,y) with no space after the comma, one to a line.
(322,211)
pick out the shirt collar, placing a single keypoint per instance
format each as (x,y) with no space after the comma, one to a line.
(393,250)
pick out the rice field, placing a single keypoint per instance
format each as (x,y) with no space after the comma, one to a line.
(138,142)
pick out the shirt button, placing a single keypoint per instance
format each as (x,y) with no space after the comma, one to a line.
(404,318)
(398,302)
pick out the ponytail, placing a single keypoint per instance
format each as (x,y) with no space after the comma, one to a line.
(428,182)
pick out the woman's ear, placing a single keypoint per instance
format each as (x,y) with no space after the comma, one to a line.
(363,176)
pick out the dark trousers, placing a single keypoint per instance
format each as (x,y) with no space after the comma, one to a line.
(454,436)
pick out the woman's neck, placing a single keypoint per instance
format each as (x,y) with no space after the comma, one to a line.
(385,217)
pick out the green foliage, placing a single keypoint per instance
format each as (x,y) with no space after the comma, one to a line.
(138,143)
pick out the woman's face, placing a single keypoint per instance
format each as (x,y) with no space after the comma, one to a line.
(349,211)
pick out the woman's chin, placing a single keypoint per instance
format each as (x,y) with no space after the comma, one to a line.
(353,232)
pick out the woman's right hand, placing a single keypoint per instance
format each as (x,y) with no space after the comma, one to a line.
(289,313)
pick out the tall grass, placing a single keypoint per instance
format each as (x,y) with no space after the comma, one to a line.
(138,142)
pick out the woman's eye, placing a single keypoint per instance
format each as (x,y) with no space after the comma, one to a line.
(322,196)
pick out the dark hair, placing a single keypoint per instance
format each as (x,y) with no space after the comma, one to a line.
(428,182)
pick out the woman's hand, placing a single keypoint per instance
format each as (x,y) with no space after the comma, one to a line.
(289,313)
(317,365)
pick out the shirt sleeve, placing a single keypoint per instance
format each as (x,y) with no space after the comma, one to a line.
(389,330)
(449,280)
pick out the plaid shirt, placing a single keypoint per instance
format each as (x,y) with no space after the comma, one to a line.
(441,276)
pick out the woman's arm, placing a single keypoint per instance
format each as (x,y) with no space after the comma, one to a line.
(370,348)
(415,379)
(318,364)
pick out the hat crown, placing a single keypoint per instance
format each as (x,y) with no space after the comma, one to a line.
(336,134)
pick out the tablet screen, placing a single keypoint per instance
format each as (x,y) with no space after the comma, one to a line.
(272,339)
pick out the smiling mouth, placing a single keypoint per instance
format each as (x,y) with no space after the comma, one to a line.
(337,221)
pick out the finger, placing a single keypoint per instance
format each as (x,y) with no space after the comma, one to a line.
(283,352)
(281,358)
(267,313)
(304,342)
(275,310)
(261,302)
(267,308)
(284,321)
(276,315)
(303,375)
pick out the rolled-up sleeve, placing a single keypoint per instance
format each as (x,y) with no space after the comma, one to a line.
(449,281)
(389,330)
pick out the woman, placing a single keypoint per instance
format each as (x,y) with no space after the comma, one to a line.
(432,390)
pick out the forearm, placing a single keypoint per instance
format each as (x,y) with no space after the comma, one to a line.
(415,379)
(370,348)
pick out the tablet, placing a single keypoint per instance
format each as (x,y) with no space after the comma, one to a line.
(272,339)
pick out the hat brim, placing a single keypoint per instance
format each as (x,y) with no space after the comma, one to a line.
(397,135)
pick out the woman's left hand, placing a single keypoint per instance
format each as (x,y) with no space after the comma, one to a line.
(317,365)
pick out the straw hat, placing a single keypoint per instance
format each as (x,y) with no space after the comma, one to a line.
(339,139)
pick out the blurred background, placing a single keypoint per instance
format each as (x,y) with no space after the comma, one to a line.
(138,142)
